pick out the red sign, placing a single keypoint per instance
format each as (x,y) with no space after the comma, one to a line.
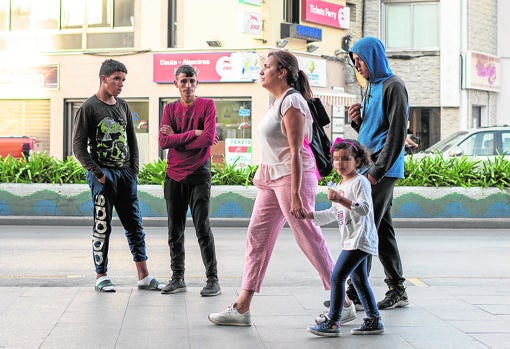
(326,13)
(210,67)
(237,149)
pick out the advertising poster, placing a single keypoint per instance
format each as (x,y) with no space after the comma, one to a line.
(238,152)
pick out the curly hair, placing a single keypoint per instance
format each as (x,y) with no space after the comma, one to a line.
(357,150)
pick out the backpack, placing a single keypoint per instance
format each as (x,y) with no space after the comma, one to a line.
(320,143)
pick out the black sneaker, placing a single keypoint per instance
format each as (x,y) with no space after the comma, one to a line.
(395,298)
(175,285)
(373,325)
(212,288)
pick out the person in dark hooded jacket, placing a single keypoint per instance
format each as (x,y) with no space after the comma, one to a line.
(381,122)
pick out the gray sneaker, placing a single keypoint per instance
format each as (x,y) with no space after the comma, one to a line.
(395,298)
(348,314)
(212,288)
(175,285)
(231,317)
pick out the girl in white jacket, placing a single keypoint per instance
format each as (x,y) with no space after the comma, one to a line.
(352,208)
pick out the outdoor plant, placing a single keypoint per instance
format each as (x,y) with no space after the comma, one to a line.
(437,171)
(433,171)
(41,168)
(153,172)
(230,174)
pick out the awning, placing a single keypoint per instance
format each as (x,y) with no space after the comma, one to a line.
(336,98)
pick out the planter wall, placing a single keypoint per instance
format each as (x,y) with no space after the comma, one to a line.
(237,201)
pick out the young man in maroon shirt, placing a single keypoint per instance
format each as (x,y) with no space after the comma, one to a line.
(188,129)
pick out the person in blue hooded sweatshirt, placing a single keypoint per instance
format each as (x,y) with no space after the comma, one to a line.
(381,122)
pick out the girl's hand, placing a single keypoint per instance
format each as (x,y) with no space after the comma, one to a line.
(296,207)
(335,195)
(308,215)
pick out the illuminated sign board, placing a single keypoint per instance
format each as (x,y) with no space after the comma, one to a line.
(299,31)
(326,13)
(210,66)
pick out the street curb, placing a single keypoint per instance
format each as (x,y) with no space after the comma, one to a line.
(426,223)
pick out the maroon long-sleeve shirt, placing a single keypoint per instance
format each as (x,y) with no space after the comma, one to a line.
(187,152)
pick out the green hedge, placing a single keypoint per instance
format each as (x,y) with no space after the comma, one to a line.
(434,171)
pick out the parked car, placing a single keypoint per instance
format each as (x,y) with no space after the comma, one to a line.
(17,146)
(482,142)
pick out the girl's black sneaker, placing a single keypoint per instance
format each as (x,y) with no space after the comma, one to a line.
(373,325)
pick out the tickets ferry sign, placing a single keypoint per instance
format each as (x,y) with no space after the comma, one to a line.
(326,13)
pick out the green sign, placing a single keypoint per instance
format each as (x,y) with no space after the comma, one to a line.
(251,2)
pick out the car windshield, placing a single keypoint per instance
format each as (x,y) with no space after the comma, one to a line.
(446,143)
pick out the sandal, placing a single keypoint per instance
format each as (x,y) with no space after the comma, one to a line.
(153,286)
(105,286)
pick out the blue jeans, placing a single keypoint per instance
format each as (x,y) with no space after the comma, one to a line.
(353,263)
(119,191)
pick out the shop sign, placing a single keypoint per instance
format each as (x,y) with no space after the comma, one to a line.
(238,151)
(244,112)
(482,71)
(250,22)
(210,67)
(41,76)
(326,13)
(315,69)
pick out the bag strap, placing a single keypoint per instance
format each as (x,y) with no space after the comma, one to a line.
(289,92)
(306,142)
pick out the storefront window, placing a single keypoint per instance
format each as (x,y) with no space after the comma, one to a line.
(425,124)
(140,111)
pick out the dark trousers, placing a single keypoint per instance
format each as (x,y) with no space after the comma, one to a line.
(389,255)
(353,263)
(119,191)
(179,196)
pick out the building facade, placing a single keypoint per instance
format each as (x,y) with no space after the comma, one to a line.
(52,52)
(503,116)
(446,51)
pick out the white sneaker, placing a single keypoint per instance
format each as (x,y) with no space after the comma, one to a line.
(230,317)
(348,314)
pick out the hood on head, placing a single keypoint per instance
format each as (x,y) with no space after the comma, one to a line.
(371,51)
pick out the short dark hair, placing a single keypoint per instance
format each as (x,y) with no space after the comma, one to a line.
(185,69)
(111,66)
